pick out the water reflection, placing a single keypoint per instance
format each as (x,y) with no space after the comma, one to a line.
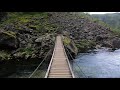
(100,63)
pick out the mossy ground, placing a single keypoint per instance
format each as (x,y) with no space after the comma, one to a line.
(34,20)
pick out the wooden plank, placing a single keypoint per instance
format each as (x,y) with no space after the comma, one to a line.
(59,67)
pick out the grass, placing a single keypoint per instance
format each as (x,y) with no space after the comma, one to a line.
(116,31)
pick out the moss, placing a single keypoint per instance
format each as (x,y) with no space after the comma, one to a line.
(23,20)
(50,28)
(85,45)
(4,55)
(66,41)
(10,33)
(36,20)
(26,50)
(40,14)
(16,17)
(116,31)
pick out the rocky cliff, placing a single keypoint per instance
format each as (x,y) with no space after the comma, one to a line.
(25,36)
(28,36)
(85,33)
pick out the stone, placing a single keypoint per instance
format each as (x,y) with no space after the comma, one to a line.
(99,38)
(38,40)
(116,43)
(8,41)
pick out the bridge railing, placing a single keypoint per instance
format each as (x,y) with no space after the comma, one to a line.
(76,65)
(48,70)
(42,62)
(68,60)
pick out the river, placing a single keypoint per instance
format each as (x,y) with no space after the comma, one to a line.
(25,71)
(100,63)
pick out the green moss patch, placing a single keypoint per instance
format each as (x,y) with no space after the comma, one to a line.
(26,50)
(66,41)
(84,45)
(4,55)
(10,33)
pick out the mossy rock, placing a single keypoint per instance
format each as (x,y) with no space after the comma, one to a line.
(8,40)
(5,56)
(10,34)
(84,45)
(24,53)
(66,41)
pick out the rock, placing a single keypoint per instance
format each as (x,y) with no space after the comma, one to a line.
(107,44)
(116,43)
(19,55)
(23,42)
(3,15)
(33,27)
(38,40)
(49,14)
(24,30)
(70,45)
(8,40)
(98,46)
(27,56)
(99,38)
(65,33)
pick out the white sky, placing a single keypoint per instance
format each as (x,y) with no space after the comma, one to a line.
(100,12)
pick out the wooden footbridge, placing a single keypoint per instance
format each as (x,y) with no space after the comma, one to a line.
(59,66)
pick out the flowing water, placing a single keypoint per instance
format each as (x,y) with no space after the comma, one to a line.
(100,63)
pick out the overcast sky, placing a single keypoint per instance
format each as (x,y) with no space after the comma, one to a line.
(101,12)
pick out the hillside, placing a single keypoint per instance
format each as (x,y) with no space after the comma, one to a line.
(113,20)
(85,31)
(26,37)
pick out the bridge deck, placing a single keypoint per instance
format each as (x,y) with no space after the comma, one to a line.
(59,66)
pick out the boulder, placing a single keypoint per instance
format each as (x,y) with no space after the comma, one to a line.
(38,40)
(116,43)
(99,38)
(70,45)
(107,44)
(8,40)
